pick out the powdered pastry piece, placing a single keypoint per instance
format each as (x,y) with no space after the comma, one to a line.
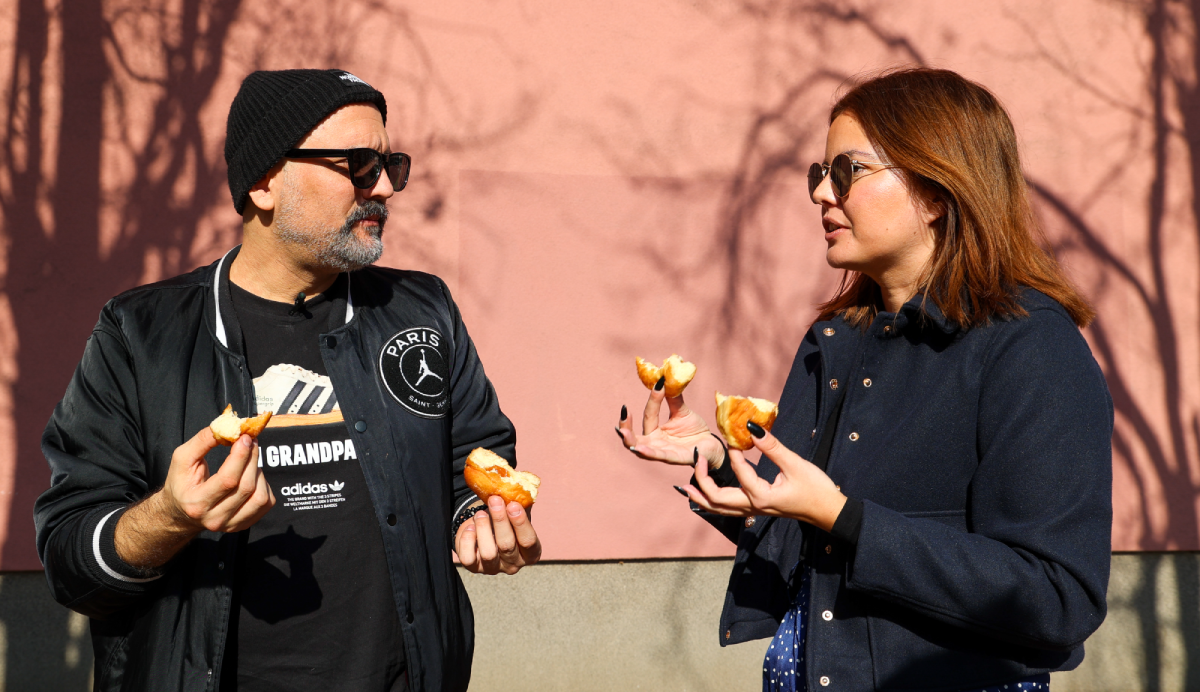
(734,411)
(227,427)
(676,371)
(487,473)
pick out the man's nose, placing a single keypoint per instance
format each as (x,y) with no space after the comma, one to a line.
(382,189)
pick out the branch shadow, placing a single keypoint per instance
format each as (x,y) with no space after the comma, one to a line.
(1168,112)
(110,175)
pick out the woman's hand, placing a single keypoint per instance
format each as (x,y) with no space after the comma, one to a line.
(675,441)
(800,491)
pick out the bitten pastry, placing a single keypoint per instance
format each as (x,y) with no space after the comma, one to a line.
(734,411)
(677,372)
(487,473)
(227,427)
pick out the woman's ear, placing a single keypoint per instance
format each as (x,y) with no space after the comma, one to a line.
(933,208)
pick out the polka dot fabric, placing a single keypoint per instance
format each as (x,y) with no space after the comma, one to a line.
(1040,683)
(784,669)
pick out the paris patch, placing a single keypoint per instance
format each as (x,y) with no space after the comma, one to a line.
(416,372)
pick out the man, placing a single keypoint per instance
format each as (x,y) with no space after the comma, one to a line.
(318,556)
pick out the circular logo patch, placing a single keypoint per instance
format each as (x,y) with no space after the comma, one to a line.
(415,372)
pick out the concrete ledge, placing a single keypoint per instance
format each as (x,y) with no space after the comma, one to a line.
(43,646)
(653,625)
(607,626)
(1151,637)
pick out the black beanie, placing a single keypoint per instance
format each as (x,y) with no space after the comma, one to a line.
(275,109)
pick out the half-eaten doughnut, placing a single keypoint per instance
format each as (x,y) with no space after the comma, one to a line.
(734,411)
(227,427)
(488,473)
(676,371)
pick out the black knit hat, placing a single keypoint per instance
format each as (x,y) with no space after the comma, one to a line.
(274,110)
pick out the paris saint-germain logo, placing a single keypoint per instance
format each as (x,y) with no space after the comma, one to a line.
(416,372)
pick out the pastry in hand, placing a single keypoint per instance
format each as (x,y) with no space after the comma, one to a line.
(734,411)
(227,427)
(676,371)
(488,473)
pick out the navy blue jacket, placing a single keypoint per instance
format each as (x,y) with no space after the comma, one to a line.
(156,370)
(983,462)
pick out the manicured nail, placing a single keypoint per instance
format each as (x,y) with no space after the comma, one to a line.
(681,490)
(659,385)
(619,433)
(695,455)
(624,414)
(755,429)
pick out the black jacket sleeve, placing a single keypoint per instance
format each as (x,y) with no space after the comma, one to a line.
(94,446)
(477,419)
(724,477)
(1033,568)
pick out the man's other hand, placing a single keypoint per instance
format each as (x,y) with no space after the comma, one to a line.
(191,501)
(500,539)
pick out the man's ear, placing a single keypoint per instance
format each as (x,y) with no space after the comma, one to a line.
(264,194)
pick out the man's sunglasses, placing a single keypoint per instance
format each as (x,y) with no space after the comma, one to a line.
(365,165)
(841,174)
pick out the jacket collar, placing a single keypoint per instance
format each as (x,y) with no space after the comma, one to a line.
(918,310)
(225,323)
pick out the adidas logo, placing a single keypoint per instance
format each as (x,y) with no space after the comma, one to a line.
(347,77)
(336,485)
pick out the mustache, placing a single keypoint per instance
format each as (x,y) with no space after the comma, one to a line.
(367,210)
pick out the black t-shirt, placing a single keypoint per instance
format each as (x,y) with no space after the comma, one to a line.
(316,611)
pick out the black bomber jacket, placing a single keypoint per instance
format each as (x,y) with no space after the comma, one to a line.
(161,363)
(980,462)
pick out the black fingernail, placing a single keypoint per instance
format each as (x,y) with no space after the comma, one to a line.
(619,434)
(624,413)
(695,455)
(755,429)
(659,385)
(681,490)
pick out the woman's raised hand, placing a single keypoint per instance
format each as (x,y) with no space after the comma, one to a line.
(672,442)
(800,491)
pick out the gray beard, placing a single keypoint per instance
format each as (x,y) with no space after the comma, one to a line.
(338,249)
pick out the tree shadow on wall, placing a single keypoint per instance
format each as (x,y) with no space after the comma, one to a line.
(110,175)
(768,160)
(786,131)
(1172,96)
(69,72)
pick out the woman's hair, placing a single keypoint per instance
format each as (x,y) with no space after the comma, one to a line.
(956,148)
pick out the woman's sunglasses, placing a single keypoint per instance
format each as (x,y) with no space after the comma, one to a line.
(365,165)
(841,174)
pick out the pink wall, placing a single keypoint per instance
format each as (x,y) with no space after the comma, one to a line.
(595,182)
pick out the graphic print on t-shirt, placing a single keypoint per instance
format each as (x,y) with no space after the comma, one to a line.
(302,451)
(304,465)
(290,389)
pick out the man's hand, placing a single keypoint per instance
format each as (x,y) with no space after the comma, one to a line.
(499,540)
(190,501)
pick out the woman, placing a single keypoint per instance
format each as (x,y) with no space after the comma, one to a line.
(933,508)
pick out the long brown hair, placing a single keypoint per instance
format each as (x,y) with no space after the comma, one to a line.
(955,145)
